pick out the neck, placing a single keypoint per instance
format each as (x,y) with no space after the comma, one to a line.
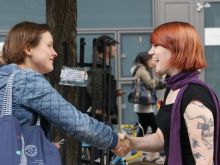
(23,66)
(27,65)
(180,79)
(174,72)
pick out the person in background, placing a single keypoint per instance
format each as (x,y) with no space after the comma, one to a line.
(143,68)
(28,49)
(109,53)
(188,119)
(106,48)
(111,49)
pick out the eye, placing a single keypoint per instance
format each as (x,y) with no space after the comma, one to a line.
(156,45)
(50,45)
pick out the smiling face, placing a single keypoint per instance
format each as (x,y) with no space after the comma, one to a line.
(30,45)
(161,56)
(41,57)
(180,43)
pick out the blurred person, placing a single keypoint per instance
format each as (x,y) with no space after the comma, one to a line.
(109,53)
(111,49)
(28,49)
(106,49)
(143,68)
(188,119)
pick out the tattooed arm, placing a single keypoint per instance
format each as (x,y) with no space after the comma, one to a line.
(200,125)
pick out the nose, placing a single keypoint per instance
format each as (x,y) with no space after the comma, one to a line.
(151,52)
(54,53)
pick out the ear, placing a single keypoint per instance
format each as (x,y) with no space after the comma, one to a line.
(28,51)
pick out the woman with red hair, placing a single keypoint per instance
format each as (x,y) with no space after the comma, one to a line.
(188,119)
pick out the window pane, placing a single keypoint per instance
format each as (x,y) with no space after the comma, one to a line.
(14,11)
(131,45)
(114,13)
(128,114)
(213,13)
(212,52)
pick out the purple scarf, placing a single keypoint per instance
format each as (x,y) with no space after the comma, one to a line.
(181,81)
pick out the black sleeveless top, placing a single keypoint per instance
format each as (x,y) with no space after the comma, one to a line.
(192,92)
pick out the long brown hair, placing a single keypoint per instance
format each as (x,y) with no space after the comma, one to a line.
(183,41)
(20,37)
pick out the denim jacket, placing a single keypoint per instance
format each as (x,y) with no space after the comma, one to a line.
(33,95)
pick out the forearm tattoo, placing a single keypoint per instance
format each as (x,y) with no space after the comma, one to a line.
(206,126)
(197,155)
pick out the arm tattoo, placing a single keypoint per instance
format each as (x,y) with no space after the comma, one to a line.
(197,155)
(195,143)
(207,127)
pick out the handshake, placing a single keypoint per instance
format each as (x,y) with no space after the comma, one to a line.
(124,145)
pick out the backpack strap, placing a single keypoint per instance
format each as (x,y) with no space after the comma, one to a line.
(7,100)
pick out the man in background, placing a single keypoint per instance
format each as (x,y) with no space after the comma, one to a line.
(105,83)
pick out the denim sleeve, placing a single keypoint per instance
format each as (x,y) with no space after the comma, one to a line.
(36,93)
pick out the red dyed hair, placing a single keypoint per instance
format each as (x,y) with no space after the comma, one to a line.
(184,43)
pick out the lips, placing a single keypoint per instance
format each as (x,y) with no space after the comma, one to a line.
(156,60)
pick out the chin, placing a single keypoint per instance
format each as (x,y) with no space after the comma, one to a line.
(157,71)
(48,70)
(160,73)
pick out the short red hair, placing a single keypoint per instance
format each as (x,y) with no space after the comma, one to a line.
(184,43)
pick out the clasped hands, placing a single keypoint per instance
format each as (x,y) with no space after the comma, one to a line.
(124,145)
